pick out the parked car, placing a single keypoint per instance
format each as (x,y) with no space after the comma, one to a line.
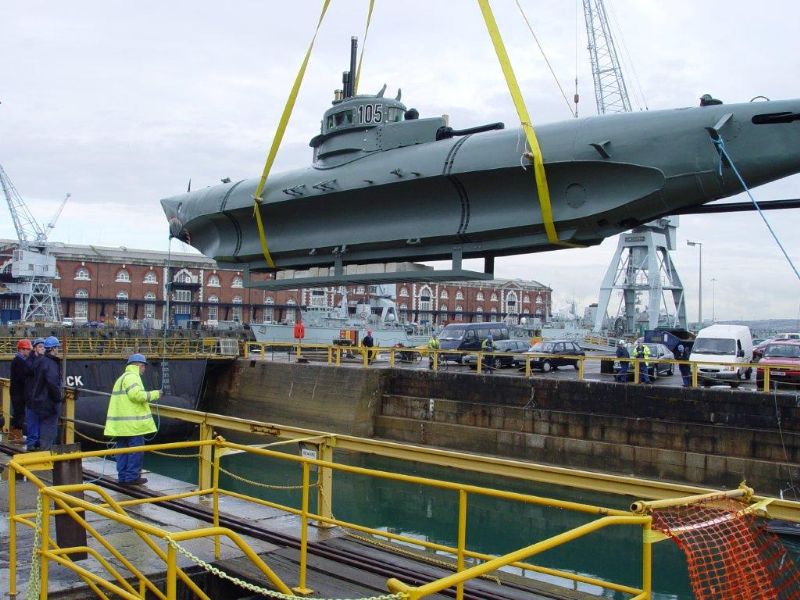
(785,352)
(758,349)
(656,368)
(564,352)
(517,346)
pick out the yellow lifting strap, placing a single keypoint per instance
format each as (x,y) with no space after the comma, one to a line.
(525,120)
(363,46)
(276,141)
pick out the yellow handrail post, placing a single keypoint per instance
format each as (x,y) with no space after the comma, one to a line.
(479,363)
(330,354)
(297,350)
(12,530)
(301,585)
(215,496)
(205,458)
(69,416)
(365,357)
(766,377)
(325,483)
(44,537)
(391,357)
(435,360)
(172,579)
(527,366)
(694,375)
(581,363)
(338,356)
(636,363)
(462,539)
(647,559)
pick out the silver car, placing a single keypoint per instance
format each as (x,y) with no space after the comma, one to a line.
(513,360)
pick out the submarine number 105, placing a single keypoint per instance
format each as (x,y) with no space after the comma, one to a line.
(370,113)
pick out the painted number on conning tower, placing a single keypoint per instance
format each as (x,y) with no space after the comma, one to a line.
(74,381)
(370,113)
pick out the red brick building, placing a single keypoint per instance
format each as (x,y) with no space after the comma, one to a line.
(109,284)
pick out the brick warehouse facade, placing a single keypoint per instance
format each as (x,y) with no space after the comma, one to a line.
(107,284)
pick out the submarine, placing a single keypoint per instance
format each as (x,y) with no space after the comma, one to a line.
(386,185)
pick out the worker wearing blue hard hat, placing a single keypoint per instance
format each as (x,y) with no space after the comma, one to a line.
(129,418)
(47,396)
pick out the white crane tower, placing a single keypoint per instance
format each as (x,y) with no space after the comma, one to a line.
(32,266)
(641,263)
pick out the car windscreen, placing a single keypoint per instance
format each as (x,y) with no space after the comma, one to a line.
(782,351)
(714,346)
(452,333)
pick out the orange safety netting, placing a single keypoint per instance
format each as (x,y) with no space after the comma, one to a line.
(730,554)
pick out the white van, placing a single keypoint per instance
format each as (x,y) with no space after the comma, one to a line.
(731,345)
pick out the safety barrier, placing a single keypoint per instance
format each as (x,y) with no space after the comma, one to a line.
(213,452)
(121,347)
(439,359)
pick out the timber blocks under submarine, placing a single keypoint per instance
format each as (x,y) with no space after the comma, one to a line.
(386,186)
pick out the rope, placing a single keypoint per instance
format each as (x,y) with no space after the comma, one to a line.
(720,144)
(363,46)
(256,589)
(547,62)
(34,583)
(276,141)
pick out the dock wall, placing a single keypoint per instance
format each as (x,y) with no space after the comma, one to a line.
(711,437)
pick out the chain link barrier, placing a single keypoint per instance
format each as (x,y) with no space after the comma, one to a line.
(265,486)
(256,589)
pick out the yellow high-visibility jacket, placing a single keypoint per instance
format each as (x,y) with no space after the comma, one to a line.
(129,409)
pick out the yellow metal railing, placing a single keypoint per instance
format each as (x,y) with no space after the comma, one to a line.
(107,508)
(122,347)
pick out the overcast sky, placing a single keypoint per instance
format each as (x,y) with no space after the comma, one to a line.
(120,103)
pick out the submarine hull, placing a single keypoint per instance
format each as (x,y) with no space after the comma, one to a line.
(476,195)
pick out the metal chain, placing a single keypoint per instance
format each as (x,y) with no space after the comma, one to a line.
(264,485)
(251,587)
(34,583)
(91,439)
(174,455)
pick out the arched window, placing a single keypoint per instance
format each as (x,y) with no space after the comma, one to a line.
(237,282)
(183,276)
(512,310)
(213,281)
(123,276)
(82,274)
(213,309)
(443,295)
(360,289)
(459,295)
(526,299)
(122,304)
(425,304)
(403,293)
(494,297)
(81,304)
(479,296)
(149,305)
(479,314)
(237,309)
(150,277)
(459,312)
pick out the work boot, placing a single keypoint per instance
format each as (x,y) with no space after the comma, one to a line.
(15,436)
(139,481)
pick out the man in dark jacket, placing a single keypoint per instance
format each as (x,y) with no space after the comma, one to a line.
(368,342)
(19,375)
(685,369)
(31,418)
(622,352)
(47,397)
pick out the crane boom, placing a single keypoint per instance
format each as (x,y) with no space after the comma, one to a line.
(609,85)
(29,232)
(52,223)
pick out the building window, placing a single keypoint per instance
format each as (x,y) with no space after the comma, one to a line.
(494,297)
(459,312)
(403,293)
(81,304)
(525,299)
(237,282)
(213,309)
(183,276)
(213,281)
(493,316)
(443,295)
(425,304)
(237,309)
(459,295)
(269,311)
(82,274)
(150,277)
(58,273)
(479,296)
(123,276)
(360,289)
(479,314)
(149,305)
(318,298)
(443,309)
(122,304)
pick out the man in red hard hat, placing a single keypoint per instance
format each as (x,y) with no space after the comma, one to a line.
(19,376)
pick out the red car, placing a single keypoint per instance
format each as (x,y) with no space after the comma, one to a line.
(785,355)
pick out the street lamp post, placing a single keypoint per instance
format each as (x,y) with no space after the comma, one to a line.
(699,284)
(713,301)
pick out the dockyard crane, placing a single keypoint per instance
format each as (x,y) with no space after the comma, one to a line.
(647,265)
(32,267)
